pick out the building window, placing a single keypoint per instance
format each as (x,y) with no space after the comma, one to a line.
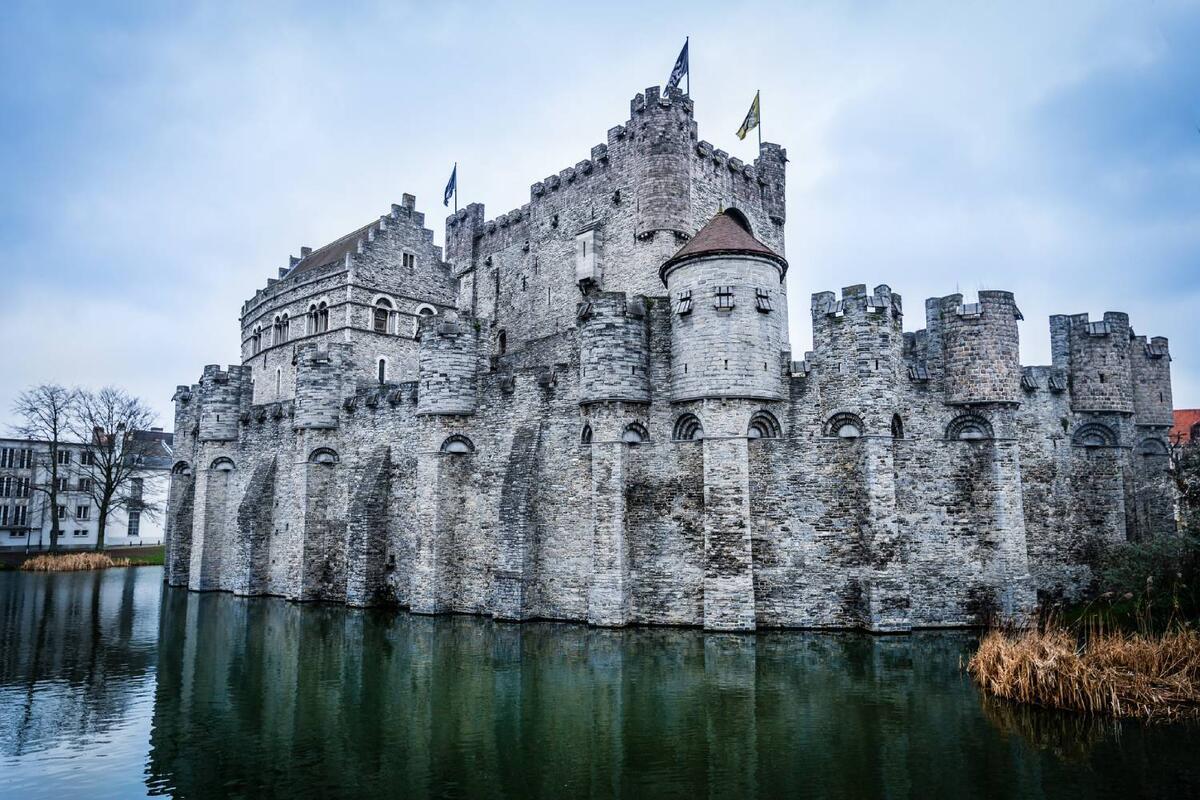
(8,457)
(278,380)
(61,484)
(135,523)
(382,370)
(20,516)
(22,487)
(683,302)
(136,486)
(585,436)
(382,315)
(79,532)
(87,458)
(688,429)
(85,484)
(83,512)
(458,445)
(64,456)
(322,317)
(635,433)
(6,486)
(323,455)
(26,460)
(502,342)
(762,300)
(408,260)
(62,512)
(3,515)
(763,425)
(256,340)
(969,428)
(897,427)
(222,464)
(724,298)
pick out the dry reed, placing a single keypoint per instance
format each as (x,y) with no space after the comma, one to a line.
(72,562)
(1111,673)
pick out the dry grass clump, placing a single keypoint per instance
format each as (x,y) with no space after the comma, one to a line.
(72,562)
(1117,674)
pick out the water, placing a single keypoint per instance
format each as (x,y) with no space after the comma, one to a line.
(112,687)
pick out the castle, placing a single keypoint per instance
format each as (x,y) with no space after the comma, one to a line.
(586,409)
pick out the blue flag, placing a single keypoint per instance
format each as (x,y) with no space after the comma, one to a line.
(451,186)
(681,68)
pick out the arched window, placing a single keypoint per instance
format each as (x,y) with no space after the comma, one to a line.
(687,429)
(897,427)
(458,444)
(222,464)
(256,340)
(278,380)
(969,428)
(1094,434)
(423,310)
(322,317)
(845,426)
(585,436)
(382,315)
(502,342)
(323,455)
(285,328)
(763,425)
(635,433)
(383,370)
(311,321)
(1153,447)
(277,330)
(181,468)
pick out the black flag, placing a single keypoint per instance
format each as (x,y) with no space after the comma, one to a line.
(452,187)
(681,68)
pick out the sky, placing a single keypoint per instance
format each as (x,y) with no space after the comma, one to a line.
(162,160)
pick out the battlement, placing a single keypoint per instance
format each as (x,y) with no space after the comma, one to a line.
(221,394)
(856,304)
(979,345)
(449,355)
(1096,357)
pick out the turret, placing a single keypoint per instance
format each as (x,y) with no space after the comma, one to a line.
(858,344)
(448,364)
(980,348)
(221,394)
(462,229)
(320,372)
(614,357)
(1097,360)
(727,322)
(1150,362)
(664,133)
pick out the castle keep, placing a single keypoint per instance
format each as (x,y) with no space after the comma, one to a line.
(586,409)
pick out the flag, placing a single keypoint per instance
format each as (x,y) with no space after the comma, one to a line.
(751,121)
(451,186)
(681,68)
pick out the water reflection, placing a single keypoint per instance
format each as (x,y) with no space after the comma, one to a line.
(116,693)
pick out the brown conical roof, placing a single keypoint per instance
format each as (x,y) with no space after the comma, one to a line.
(727,233)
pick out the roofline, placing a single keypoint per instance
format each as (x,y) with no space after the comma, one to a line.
(677,261)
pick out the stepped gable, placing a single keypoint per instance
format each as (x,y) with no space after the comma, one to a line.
(331,253)
(728,233)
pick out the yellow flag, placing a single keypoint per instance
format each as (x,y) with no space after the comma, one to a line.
(751,121)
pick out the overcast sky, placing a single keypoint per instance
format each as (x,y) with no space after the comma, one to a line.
(162,161)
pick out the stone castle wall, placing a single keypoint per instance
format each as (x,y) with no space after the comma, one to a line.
(557,438)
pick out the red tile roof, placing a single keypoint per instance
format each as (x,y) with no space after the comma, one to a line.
(1185,430)
(724,234)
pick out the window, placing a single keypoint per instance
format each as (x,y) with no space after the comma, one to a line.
(61,484)
(635,433)
(135,488)
(256,340)
(3,515)
(1094,434)
(62,512)
(408,260)
(897,427)
(20,516)
(458,445)
(6,486)
(85,484)
(278,380)
(382,315)
(502,342)
(26,459)
(688,429)
(683,302)
(64,456)
(763,425)
(135,523)
(585,436)
(323,455)
(8,457)
(322,317)
(762,300)
(382,370)
(222,464)
(79,532)
(22,487)
(724,298)
(969,428)
(87,458)
(845,426)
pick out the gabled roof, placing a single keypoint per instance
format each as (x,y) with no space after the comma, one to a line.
(728,233)
(331,253)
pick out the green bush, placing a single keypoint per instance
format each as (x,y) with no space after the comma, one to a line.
(1159,575)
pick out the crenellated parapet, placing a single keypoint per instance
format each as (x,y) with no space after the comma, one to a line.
(613,348)
(321,374)
(221,395)
(1150,366)
(980,348)
(664,132)
(449,364)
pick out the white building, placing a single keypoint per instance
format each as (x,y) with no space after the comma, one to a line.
(25,513)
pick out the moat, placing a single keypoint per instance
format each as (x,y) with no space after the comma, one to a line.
(113,686)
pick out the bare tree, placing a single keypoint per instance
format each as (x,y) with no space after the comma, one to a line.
(109,423)
(44,413)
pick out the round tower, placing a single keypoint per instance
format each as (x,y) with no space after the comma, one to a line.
(980,348)
(613,353)
(858,343)
(320,370)
(1099,363)
(727,325)
(1151,368)
(448,364)
(663,129)
(220,401)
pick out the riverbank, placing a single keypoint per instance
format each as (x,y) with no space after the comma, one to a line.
(71,561)
(1117,674)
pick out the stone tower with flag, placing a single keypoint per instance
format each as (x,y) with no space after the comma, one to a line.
(586,408)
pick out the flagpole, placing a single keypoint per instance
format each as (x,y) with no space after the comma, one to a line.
(758,99)
(686,41)
(456,184)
